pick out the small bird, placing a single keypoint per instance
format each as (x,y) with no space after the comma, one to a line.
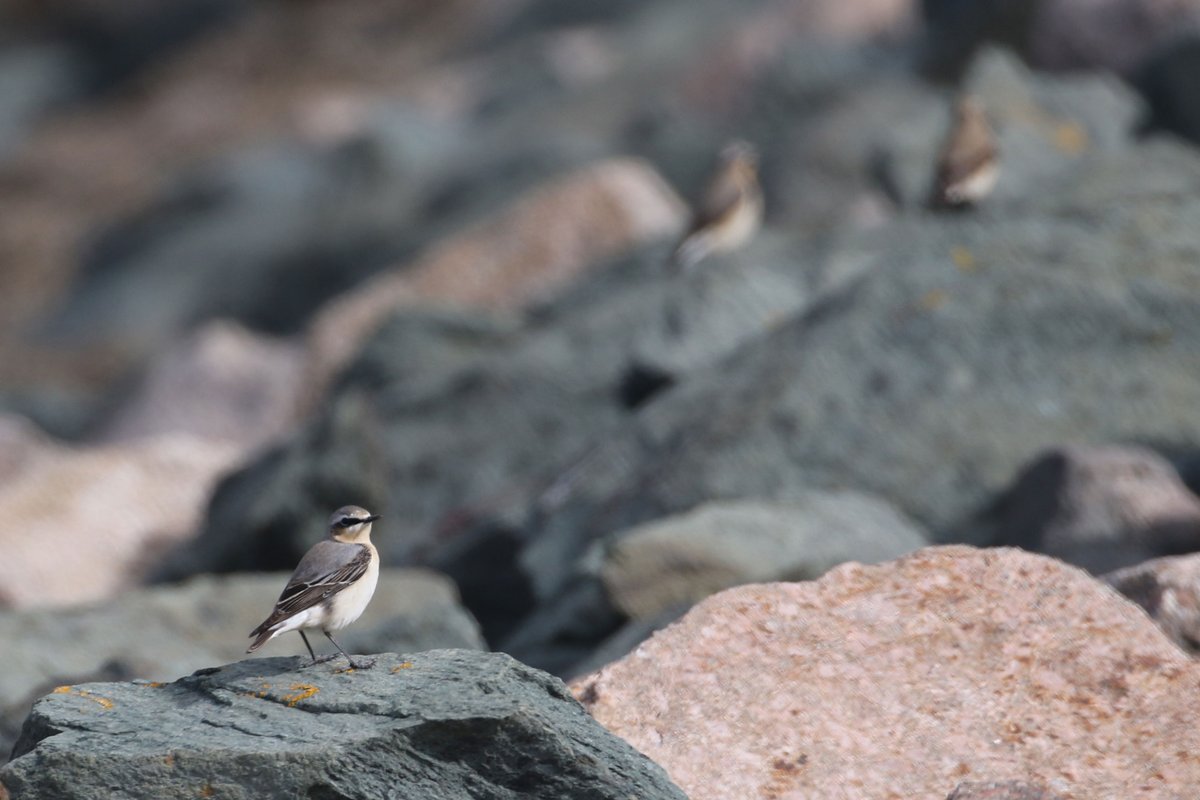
(730,211)
(968,164)
(331,586)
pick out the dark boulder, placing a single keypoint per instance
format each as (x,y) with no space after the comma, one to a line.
(440,724)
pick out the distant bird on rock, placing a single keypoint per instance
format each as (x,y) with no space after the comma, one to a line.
(968,165)
(730,211)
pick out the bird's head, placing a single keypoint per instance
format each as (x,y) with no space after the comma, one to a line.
(740,154)
(351,524)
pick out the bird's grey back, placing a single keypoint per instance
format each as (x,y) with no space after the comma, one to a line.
(325,557)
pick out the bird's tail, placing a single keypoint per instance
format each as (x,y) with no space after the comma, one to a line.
(262,635)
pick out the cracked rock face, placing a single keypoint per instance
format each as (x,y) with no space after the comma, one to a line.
(438,724)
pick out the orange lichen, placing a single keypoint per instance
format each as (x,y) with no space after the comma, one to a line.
(933,299)
(963,258)
(300,691)
(404,665)
(103,702)
(1070,138)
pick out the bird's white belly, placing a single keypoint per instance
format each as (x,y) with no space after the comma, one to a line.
(738,228)
(349,604)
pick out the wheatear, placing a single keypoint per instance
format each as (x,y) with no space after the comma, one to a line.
(969,163)
(730,211)
(331,586)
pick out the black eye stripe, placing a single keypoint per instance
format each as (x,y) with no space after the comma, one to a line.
(346,522)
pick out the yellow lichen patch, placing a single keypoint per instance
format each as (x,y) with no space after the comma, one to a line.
(1070,138)
(300,691)
(169,759)
(963,258)
(933,299)
(404,665)
(207,791)
(103,702)
(154,684)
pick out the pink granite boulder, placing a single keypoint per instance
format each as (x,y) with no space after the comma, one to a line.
(908,679)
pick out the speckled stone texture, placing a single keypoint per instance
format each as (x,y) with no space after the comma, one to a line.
(907,679)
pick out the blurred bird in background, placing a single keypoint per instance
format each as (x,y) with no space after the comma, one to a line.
(968,164)
(729,212)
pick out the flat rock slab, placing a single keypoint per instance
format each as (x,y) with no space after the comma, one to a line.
(908,679)
(440,724)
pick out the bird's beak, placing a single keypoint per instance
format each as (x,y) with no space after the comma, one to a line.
(371,518)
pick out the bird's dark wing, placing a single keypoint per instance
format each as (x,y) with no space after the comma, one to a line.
(721,196)
(324,571)
(968,150)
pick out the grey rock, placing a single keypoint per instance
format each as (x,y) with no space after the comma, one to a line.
(623,641)
(1106,35)
(221,241)
(960,351)
(565,631)
(1167,80)
(680,560)
(1043,128)
(1101,507)
(522,402)
(633,582)
(266,516)
(1169,590)
(115,42)
(162,633)
(34,79)
(954,31)
(440,724)
(1002,790)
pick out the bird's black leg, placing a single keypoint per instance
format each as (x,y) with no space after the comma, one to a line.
(309,646)
(367,664)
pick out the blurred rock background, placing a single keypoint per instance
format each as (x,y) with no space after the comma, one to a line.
(263,258)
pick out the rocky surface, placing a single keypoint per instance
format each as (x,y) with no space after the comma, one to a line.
(909,678)
(415,256)
(440,724)
(681,560)
(1102,35)
(1169,590)
(1001,790)
(223,382)
(81,524)
(1099,507)
(920,358)
(1118,35)
(533,249)
(162,633)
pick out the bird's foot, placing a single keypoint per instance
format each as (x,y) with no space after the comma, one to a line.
(361,663)
(323,659)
